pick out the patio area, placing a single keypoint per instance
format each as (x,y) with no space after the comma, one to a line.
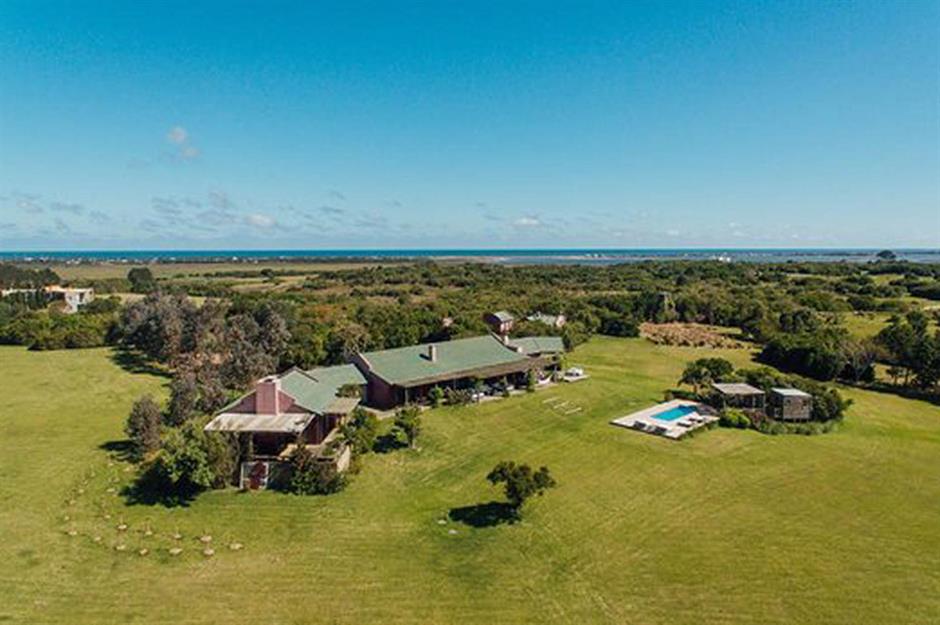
(672,419)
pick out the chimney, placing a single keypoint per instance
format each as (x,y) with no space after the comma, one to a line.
(267,395)
(432,353)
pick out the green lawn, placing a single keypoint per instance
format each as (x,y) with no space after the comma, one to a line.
(727,527)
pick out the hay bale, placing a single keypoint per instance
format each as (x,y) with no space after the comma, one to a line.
(71,532)
(205,539)
(143,552)
(120,547)
(208,552)
(122,527)
(175,551)
(97,539)
(236,546)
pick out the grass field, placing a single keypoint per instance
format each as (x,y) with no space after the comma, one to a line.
(727,527)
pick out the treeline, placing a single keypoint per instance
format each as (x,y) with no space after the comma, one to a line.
(12,276)
(94,325)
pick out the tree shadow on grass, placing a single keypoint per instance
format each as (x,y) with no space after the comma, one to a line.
(146,490)
(135,362)
(487,514)
(388,443)
(119,450)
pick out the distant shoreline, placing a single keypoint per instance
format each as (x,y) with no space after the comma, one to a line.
(584,256)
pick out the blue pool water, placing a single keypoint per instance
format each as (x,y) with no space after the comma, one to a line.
(675,413)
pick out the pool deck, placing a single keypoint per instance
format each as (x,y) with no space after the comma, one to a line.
(646,421)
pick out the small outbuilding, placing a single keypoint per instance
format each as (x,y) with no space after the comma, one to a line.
(500,322)
(790,404)
(739,395)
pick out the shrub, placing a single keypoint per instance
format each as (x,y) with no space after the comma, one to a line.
(311,476)
(361,430)
(436,396)
(458,397)
(408,422)
(734,418)
(190,460)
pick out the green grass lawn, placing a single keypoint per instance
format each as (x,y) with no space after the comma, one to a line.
(727,527)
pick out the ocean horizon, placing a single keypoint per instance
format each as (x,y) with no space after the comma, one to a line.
(502,255)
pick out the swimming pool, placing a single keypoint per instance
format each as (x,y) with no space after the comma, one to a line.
(675,413)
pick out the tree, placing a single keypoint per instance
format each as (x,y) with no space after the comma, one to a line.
(143,427)
(249,358)
(141,279)
(158,325)
(531,380)
(310,476)
(361,430)
(436,395)
(912,349)
(886,255)
(184,396)
(191,460)
(408,422)
(702,372)
(520,481)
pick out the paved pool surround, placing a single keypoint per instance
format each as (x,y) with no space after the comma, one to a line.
(672,419)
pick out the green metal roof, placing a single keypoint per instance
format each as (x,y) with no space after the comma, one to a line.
(409,364)
(539,344)
(316,389)
(337,376)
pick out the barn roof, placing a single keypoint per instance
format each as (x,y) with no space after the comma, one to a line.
(457,358)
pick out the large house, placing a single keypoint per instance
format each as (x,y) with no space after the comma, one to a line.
(406,374)
(294,407)
(307,407)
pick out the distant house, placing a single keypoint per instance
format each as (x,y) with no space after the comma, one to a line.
(500,322)
(290,408)
(739,395)
(72,298)
(790,404)
(406,374)
(553,321)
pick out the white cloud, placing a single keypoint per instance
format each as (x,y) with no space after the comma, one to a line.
(529,221)
(673,233)
(177,135)
(260,221)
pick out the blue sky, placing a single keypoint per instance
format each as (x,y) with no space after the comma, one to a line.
(201,125)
